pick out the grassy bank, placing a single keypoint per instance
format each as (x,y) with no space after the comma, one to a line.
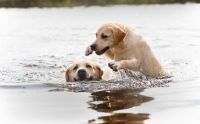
(71,3)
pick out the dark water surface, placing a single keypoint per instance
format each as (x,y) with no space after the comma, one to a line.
(36,45)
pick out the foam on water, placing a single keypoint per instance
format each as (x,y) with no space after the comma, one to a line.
(123,79)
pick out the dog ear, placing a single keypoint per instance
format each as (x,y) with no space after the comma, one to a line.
(99,72)
(118,33)
(67,75)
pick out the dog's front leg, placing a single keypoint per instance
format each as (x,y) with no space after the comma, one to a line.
(132,64)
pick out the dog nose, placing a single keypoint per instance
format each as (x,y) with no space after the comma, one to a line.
(93,46)
(82,74)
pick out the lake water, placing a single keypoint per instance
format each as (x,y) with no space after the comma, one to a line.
(37,44)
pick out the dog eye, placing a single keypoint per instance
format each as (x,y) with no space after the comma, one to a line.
(88,66)
(75,67)
(103,36)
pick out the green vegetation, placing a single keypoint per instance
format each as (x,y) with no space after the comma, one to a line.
(71,3)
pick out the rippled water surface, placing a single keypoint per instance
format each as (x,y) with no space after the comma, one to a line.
(36,45)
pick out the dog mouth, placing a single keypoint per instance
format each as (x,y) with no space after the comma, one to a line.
(84,79)
(102,51)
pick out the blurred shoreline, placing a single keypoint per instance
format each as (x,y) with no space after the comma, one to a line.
(72,3)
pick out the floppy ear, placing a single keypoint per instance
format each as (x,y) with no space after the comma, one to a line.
(67,75)
(118,33)
(99,72)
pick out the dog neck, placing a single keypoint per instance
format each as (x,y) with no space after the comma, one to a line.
(119,49)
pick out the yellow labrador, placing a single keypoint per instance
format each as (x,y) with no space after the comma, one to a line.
(128,50)
(83,71)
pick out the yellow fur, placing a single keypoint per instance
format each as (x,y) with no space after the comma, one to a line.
(128,50)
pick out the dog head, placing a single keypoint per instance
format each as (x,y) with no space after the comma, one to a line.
(108,36)
(83,71)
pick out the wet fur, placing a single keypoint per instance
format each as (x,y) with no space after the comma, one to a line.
(128,50)
(96,72)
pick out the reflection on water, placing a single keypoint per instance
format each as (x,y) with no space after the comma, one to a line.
(121,118)
(113,100)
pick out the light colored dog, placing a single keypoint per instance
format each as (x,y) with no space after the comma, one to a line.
(83,71)
(128,50)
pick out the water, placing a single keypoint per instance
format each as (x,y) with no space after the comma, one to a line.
(36,45)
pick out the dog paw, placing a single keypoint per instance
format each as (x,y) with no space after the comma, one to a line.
(88,51)
(115,66)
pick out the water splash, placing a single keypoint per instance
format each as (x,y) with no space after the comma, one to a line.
(124,79)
